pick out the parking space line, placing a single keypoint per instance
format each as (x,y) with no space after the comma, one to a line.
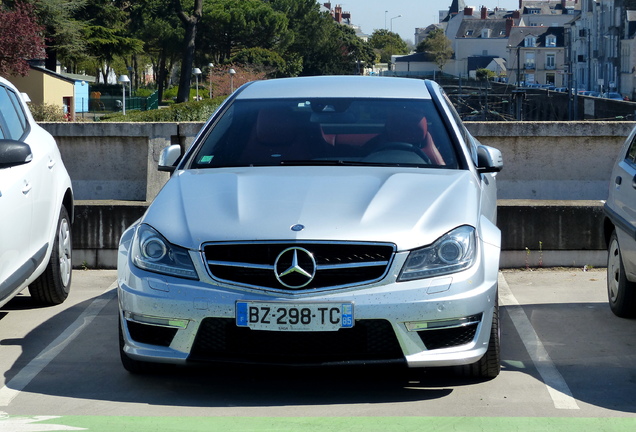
(552,378)
(13,388)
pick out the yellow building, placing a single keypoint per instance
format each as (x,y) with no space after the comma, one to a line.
(47,87)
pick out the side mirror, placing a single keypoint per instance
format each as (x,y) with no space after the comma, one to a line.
(489,159)
(14,153)
(169,158)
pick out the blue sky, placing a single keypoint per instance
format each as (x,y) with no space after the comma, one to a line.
(370,14)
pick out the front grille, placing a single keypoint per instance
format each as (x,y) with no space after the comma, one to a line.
(219,339)
(448,337)
(151,334)
(323,265)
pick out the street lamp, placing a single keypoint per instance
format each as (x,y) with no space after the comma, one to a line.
(196,72)
(232,72)
(123,79)
(399,16)
(385,12)
(210,66)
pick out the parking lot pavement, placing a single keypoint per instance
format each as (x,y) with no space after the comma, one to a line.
(565,356)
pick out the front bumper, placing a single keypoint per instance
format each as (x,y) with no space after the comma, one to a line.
(442,321)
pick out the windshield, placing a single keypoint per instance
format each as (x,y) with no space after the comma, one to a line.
(340,131)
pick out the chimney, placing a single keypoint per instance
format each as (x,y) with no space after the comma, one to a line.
(516,14)
(509,23)
(327,5)
(563,9)
(484,12)
(520,4)
(338,13)
(468,11)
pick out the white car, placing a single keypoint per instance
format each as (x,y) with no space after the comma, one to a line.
(319,221)
(36,206)
(620,232)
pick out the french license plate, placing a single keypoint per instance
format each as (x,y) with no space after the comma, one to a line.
(276,316)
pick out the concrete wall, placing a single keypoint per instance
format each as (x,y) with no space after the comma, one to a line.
(542,160)
(554,160)
(535,233)
(551,189)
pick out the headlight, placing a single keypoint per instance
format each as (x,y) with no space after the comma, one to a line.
(450,253)
(152,252)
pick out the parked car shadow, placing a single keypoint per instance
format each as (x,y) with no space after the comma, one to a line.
(91,369)
(591,348)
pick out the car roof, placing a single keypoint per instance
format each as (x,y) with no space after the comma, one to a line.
(7,83)
(336,86)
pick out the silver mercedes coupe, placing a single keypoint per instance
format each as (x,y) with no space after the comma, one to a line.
(334,220)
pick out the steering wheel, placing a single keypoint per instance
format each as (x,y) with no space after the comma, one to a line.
(403,146)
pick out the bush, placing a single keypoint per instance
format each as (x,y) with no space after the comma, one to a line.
(170,93)
(47,113)
(143,92)
(183,112)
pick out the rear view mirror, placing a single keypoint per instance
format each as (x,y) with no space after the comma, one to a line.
(14,153)
(489,159)
(169,158)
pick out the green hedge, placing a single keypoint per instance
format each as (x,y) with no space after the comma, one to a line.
(184,112)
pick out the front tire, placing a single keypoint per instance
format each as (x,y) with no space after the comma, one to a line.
(621,293)
(489,366)
(52,286)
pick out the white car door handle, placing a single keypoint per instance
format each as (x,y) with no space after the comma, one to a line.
(51,163)
(27,188)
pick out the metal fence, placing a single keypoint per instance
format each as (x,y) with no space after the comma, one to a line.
(109,103)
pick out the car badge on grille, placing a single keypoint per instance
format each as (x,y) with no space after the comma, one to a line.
(297,227)
(295,267)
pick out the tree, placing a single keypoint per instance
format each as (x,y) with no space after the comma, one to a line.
(155,22)
(190,23)
(20,39)
(320,45)
(261,60)
(484,74)
(63,30)
(344,52)
(229,26)
(107,34)
(387,44)
(437,45)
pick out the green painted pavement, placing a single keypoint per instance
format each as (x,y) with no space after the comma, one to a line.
(315,424)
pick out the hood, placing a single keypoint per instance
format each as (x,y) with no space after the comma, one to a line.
(407,207)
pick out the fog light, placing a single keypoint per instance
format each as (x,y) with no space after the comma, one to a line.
(159,321)
(443,324)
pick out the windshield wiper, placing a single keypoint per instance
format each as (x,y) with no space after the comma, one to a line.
(321,162)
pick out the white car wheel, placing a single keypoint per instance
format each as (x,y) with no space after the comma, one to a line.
(621,293)
(53,286)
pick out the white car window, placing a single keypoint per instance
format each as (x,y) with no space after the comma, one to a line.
(14,119)
(631,153)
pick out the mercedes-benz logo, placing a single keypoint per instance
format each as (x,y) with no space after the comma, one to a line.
(295,267)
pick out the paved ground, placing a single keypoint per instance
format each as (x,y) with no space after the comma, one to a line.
(568,364)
